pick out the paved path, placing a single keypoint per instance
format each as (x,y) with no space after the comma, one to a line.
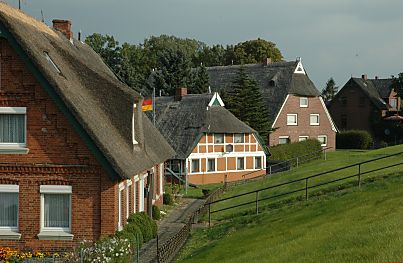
(169,226)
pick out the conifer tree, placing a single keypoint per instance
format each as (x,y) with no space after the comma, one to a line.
(199,80)
(330,90)
(245,101)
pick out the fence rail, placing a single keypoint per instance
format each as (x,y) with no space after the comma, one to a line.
(256,200)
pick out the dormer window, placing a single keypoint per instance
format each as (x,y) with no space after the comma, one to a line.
(393,103)
(303,102)
(133,125)
(51,62)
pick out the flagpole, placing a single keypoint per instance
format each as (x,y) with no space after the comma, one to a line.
(153,103)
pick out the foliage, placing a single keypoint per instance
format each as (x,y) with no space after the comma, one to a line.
(107,249)
(254,51)
(132,232)
(206,192)
(200,80)
(353,139)
(330,90)
(295,149)
(245,101)
(146,225)
(168,199)
(398,84)
(8,254)
(156,212)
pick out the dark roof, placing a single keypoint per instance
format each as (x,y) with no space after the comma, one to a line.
(383,86)
(275,81)
(101,104)
(373,89)
(183,122)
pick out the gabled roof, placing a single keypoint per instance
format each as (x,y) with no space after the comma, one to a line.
(96,103)
(183,122)
(373,89)
(275,81)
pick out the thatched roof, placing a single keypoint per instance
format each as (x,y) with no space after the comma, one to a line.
(183,122)
(275,81)
(97,100)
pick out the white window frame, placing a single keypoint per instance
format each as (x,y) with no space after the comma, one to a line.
(55,233)
(161,168)
(141,189)
(243,137)
(128,186)
(301,99)
(191,165)
(314,123)
(244,159)
(296,119)
(136,179)
(19,111)
(120,193)
(261,162)
(133,126)
(215,164)
(284,137)
(11,188)
(223,138)
(322,136)
(303,138)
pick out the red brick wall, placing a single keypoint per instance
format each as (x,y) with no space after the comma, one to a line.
(303,127)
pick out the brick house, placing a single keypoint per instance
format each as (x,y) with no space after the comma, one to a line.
(295,108)
(211,144)
(77,155)
(363,104)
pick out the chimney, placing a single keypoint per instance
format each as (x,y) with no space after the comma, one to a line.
(63,26)
(180,93)
(376,77)
(267,61)
(364,77)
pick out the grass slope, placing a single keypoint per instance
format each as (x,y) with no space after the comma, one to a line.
(353,225)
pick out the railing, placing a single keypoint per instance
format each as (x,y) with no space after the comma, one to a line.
(305,189)
(297,161)
(167,251)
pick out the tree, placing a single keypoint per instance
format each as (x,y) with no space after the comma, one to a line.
(330,90)
(245,101)
(199,81)
(398,84)
(252,51)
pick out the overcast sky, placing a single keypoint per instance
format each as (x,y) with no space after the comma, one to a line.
(334,38)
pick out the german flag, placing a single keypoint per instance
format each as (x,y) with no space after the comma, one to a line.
(147,105)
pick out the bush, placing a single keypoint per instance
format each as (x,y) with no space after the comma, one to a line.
(156,213)
(146,225)
(168,199)
(353,139)
(293,150)
(206,192)
(132,232)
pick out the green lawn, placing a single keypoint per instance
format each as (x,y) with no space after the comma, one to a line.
(334,160)
(351,225)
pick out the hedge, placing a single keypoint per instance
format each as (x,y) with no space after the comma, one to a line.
(353,139)
(156,213)
(168,199)
(293,150)
(146,225)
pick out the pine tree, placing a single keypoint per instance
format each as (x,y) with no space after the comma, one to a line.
(330,90)
(199,80)
(245,101)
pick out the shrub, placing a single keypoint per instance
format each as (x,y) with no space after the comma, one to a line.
(168,199)
(206,192)
(293,150)
(146,225)
(353,139)
(132,232)
(156,213)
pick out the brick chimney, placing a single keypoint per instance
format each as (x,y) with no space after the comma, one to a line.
(180,93)
(63,26)
(364,77)
(267,61)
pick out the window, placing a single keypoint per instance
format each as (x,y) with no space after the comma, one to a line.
(55,212)
(50,60)
(303,138)
(322,139)
(240,163)
(12,126)
(195,165)
(211,165)
(9,207)
(283,140)
(239,138)
(258,162)
(314,119)
(219,138)
(393,102)
(120,199)
(128,190)
(292,119)
(303,102)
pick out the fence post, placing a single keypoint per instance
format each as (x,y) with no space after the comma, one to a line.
(209,215)
(81,256)
(158,252)
(359,176)
(257,202)
(297,162)
(270,169)
(306,189)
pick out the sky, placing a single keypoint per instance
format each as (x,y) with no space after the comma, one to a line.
(336,39)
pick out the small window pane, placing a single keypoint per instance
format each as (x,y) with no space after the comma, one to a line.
(258,162)
(239,138)
(393,102)
(303,138)
(314,119)
(8,209)
(240,163)
(211,165)
(283,140)
(219,137)
(57,210)
(322,140)
(291,119)
(303,102)
(195,166)
(12,128)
